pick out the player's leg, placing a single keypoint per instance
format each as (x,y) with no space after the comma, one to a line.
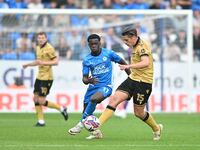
(115,100)
(121,110)
(98,97)
(79,126)
(92,97)
(38,107)
(101,94)
(39,112)
(122,93)
(44,91)
(141,96)
(149,120)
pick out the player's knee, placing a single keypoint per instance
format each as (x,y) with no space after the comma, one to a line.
(96,101)
(35,98)
(41,100)
(114,101)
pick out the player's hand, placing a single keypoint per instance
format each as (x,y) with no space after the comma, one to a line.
(123,67)
(93,80)
(24,66)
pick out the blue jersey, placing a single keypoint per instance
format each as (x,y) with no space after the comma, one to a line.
(100,66)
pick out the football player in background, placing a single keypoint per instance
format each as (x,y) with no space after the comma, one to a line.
(46,58)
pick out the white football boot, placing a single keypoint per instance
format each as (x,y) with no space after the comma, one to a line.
(76,129)
(95,135)
(157,134)
(121,114)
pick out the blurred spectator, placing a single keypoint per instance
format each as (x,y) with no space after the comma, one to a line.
(84,50)
(45,20)
(35,4)
(111,38)
(185,4)
(11,3)
(63,48)
(3,4)
(97,3)
(74,38)
(52,4)
(71,4)
(79,20)
(137,4)
(196,5)
(5,41)
(196,42)
(9,20)
(107,4)
(91,4)
(180,22)
(33,42)
(172,52)
(23,40)
(196,18)
(24,53)
(181,41)
(118,4)
(95,21)
(158,4)
(21,4)
(174,5)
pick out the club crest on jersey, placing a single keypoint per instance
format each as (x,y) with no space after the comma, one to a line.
(105,58)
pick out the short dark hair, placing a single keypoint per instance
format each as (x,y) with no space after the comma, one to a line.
(93,36)
(42,33)
(129,30)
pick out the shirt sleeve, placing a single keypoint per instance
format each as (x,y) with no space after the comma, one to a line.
(114,57)
(144,51)
(85,68)
(52,53)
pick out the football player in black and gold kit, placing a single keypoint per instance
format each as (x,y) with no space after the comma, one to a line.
(139,83)
(46,58)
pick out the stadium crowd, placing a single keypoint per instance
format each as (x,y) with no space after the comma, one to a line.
(68,33)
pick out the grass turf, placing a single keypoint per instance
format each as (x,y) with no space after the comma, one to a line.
(17,132)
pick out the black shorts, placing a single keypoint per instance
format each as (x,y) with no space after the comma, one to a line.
(140,91)
(42,87)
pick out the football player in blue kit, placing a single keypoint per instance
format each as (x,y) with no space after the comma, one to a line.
(97,73)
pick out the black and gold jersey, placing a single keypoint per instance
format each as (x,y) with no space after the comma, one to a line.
(45,53)
(144,74)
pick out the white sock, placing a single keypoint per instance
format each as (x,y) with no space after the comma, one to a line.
(80,124)
(61,109)
(41,121)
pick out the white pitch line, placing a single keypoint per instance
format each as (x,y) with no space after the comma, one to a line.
(83,145)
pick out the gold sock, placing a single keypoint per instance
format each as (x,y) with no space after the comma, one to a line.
(152,123)
(39,112)
(52,105)
(107,114)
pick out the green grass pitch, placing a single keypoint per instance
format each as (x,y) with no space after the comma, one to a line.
(181,132)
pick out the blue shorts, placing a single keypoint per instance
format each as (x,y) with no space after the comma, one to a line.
(105,90)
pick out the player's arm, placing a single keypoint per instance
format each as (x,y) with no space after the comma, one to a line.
(52,62)
(116,58)
(142,64)
(89,80)
(123,62)
(31,64)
